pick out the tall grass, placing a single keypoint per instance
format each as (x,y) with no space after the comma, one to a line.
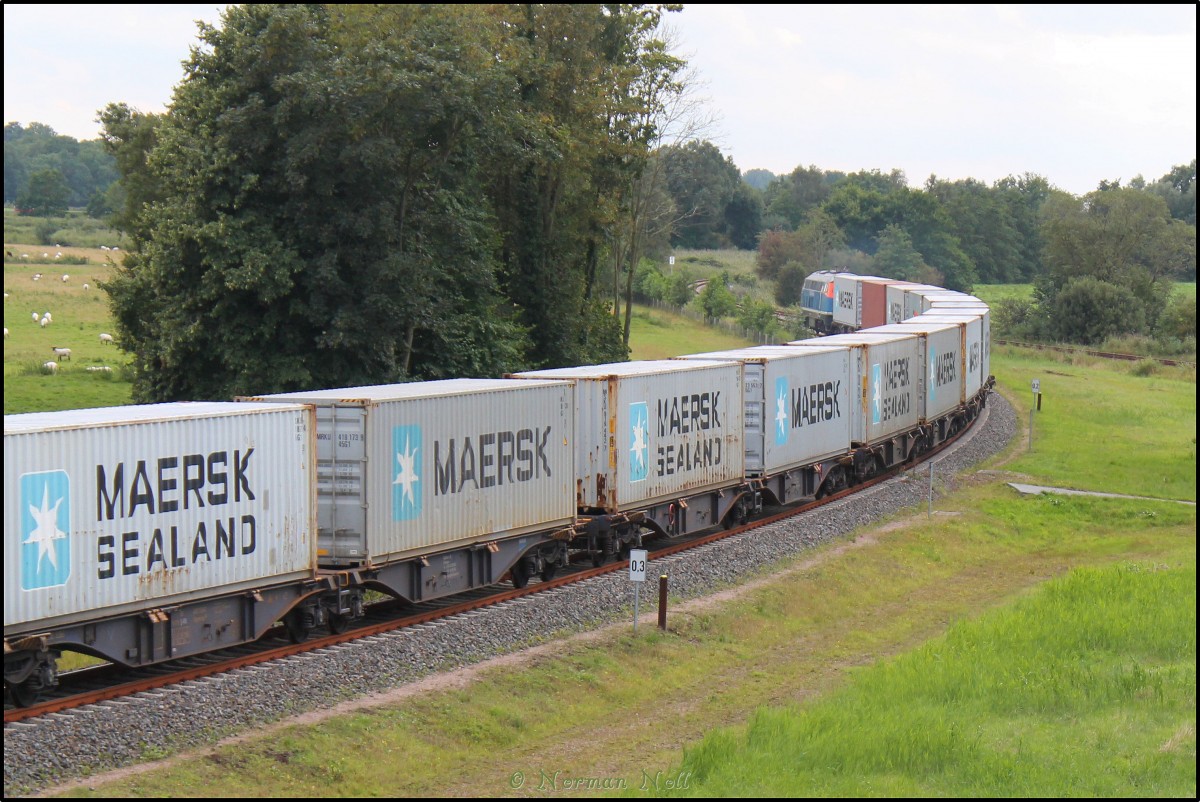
(1020,702)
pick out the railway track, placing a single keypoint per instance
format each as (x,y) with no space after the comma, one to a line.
(1068,349)
(109,682)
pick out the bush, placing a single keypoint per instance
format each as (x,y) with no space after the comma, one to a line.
(1087,311)
(45,231)
(1179,319)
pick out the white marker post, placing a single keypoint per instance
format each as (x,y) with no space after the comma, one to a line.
(1037,390)
(637,575)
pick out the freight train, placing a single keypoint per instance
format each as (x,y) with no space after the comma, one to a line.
(146,533)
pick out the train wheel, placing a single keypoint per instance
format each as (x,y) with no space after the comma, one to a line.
(299,626)
(24,694)
(548,571)
(519,574)
(338,623)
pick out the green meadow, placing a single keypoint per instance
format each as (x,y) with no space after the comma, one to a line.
(1002,646)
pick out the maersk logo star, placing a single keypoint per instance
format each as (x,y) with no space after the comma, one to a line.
(639,446)
(877,396)
(406,490)
(781,415)
(46,522)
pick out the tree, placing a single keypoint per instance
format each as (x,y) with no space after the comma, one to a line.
(45,195)
(570,161)
(897,258)
(1088,311)
(316,220)
(716,300)
(758,178)
(702,183)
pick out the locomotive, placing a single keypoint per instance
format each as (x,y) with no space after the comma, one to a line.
(141,534)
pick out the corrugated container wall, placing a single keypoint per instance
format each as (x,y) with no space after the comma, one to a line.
(797,404)
(942,361)
(653,431)
(403,468)
(875,311)
(884,369)
(914,298)
(850,308)
(116,510)
(972,344)
(985,316)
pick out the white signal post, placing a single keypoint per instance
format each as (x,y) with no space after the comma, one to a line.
(637,575)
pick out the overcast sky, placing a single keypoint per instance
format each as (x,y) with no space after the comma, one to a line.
(1075,93)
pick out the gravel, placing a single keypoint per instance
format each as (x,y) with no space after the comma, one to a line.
(65,746)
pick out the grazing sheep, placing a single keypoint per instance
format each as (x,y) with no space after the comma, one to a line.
(43,323)
(49,317)
(86,287)
(65,353)
(100,369)
(50,366)
(105,339)
(37,276)
(65,277)
(45,255)
(104,247)
(58,255)
(36,317)
(24,256)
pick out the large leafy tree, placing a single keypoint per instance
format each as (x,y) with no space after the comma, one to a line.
(703,183)
(1122,238)
(570,163)
(318,220)
(45,194)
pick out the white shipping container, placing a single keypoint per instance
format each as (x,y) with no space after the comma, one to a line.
(914,295)
(972,344)
(943,364)
(884,369)
(847,299)
(653,431)
(115,510)
(797,404)
(978,340)
(896,295)
(407,468)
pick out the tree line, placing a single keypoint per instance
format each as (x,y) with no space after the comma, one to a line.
(344,195)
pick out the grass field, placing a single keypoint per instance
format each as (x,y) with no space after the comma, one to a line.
(79,316)
(925,657)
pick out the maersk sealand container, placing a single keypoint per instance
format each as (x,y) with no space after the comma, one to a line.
(972,327)
(653,431)
(408,469)
(114,511)
(942,363)
(797,404)
(886,393)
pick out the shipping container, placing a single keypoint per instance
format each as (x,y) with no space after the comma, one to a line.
(117,510)
(653,431)
(405,469)
(942,364)
(883,368)
(897,294)
(850,311)
(797,404)
(876,311)
(914,298)
(978,336)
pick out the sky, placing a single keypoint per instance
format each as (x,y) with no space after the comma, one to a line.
(1076,94)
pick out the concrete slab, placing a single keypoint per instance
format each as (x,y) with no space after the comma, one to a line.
(1037,490)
